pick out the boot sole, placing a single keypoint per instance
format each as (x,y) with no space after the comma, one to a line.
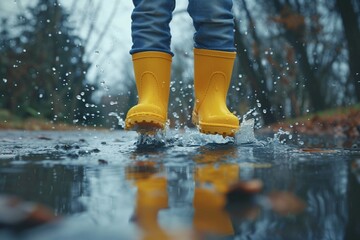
(144,123)
(224,130)
(215,129)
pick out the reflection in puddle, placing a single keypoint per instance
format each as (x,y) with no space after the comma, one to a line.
(182,191)
(219,197)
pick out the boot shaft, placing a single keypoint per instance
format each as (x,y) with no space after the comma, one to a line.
(212,74)
(152,75)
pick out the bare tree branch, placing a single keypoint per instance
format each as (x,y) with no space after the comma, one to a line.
(106,27)
(92,24)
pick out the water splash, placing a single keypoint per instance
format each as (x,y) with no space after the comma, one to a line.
(151,140)
(281,137)
(246,133)
(121,121)
(192,137)
(189,137)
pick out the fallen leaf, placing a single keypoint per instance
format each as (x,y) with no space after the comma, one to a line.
(44,138)
(102,161)
(241,192)
(286,203)
(17,214)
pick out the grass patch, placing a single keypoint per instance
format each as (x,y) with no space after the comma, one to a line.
(10,121)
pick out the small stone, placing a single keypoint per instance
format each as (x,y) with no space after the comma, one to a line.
(95,150)
(102,162)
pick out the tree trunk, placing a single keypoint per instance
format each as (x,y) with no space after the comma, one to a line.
(352,34)
(259,88)
(296,38)
(312,83)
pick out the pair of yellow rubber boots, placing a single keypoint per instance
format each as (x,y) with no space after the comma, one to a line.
(211,82)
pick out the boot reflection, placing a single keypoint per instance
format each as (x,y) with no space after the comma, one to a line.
(151,197)
(213,181)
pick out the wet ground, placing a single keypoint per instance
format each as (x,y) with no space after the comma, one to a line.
(102,185)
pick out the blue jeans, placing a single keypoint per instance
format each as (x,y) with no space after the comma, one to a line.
(212,19)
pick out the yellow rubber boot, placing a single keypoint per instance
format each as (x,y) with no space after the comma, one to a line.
(152,75)
(212,76)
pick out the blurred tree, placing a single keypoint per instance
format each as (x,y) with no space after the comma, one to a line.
(46,71)
(255,77)
(350,21)
(253,69)
(294,27)
(292,55)
(5,51)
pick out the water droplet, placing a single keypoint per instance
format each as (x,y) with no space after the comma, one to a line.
(175,115)
(121,122)
(41,95)
(5,80)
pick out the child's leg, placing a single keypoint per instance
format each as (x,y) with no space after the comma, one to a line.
(150,25)
(214,56)
(214,24)
(152,63)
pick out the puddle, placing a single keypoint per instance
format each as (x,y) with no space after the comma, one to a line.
(193,186)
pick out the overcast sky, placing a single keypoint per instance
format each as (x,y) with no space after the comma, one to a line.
(117,41)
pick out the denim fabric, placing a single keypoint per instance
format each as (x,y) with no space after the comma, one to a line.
(214,24)
(150,25)
(212,19)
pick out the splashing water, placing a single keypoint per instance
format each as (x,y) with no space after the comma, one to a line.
(281,137)
(246,133)
(188,137)
(121,121)
(191,137)
(151,140)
